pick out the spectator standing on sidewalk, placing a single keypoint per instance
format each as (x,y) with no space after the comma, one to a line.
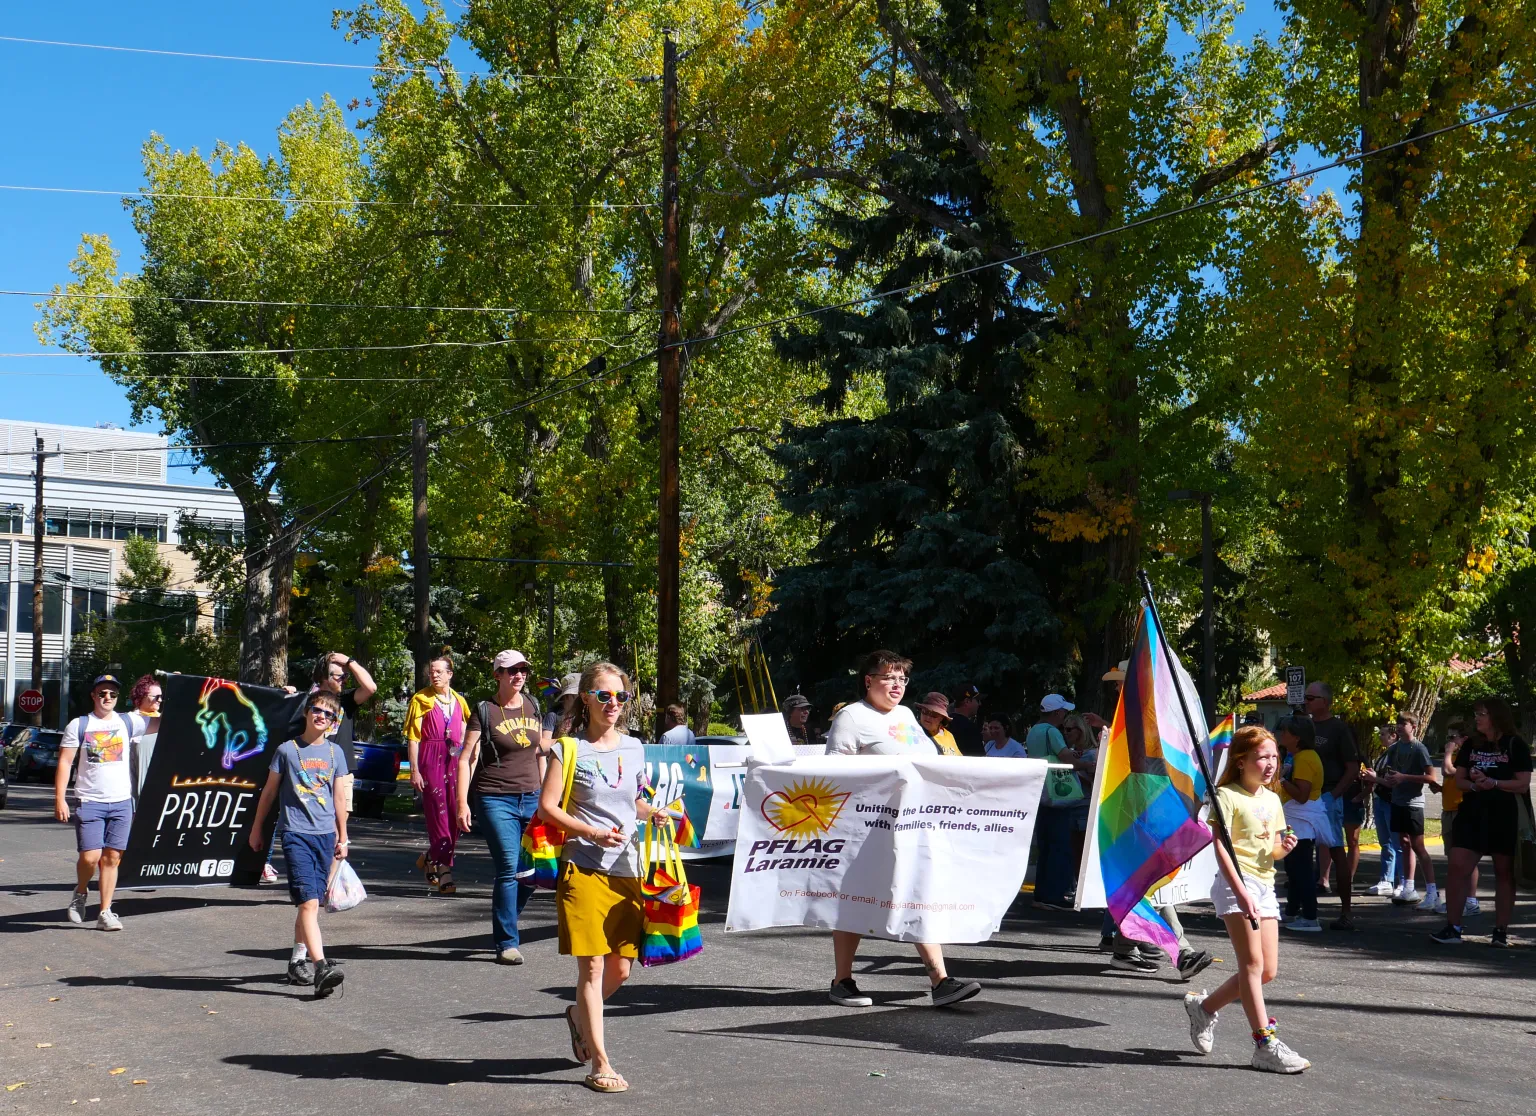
(1341,761)
(1407,771)
(1381,807)
(1302,789)
(1450,804)
(1064,814)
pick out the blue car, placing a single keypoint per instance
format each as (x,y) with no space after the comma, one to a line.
(377,776)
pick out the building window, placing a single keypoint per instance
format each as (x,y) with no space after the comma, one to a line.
(221,617)
(84,603)
(13,518)
(220,532)
(53,608)
(88,523)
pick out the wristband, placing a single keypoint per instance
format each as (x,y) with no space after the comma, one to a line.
(343,844)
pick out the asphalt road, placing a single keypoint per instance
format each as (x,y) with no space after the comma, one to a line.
(189,1000)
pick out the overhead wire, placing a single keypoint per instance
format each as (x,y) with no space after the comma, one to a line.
(341,203)
(317,305)
(408,346)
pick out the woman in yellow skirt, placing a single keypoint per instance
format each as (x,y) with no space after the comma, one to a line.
(598,900)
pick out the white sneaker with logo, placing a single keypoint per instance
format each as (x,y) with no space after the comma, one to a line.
(1276,1057)
(1380,887)
(106,920)
(1431,899)
(1406,895)
(1202,1024)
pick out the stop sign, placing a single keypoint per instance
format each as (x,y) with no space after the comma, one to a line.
(30,701)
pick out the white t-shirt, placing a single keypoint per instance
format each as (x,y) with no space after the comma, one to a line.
(1011,750)
(102,772)
(860,729)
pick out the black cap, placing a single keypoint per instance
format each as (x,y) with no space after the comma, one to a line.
(109,679)
(796,701)
(969,690)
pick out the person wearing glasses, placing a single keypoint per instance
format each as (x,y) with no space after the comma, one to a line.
(103,810)
(330,674)
(303,778)
(598,902)
(879,725)
(147,698)
(1337,749)
(501,769)
(436,721)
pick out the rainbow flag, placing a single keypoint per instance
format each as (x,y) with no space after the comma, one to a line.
(671,930)
(539,856)
(1150,794)
(1221,735)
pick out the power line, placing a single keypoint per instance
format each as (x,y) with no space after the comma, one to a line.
(342,203)
(406,346)
(194,376)
(1210,203)
(311,305)
(415,67)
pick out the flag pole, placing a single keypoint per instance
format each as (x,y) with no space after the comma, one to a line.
(1197,738)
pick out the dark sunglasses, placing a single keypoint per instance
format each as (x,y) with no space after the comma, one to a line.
(520,668)
(609,697)
(155,698)
(319,711)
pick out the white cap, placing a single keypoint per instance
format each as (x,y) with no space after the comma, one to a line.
(1052,702)
(570,684)
(505,659)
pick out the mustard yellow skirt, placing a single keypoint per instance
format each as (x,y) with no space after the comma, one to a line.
(598,914)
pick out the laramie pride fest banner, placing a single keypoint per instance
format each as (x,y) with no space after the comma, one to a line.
(199,796)
(906,849)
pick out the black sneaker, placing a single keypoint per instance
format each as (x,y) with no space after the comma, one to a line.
(1448,935)
(845,993)
(1107,943)
(301,972)
(1133,963)
(951,991)
(1193,962)
(1499,939)
(328,978)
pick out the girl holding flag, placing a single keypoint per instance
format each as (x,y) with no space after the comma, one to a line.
(1244,895)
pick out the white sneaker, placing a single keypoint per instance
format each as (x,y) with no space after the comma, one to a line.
(1405,895)
(1431,900)
(76,908)
(1202,1024)
(1276,1057)
(106,920)
(1472,905)
(1380,887)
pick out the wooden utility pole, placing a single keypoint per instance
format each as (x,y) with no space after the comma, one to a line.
(669,358)
(420,557)
(37,583)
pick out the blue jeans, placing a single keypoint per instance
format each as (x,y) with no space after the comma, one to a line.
(1392,860)
(1055,867)
(503,816)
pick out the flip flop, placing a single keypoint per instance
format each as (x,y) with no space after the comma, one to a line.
(609,1082)
(578,1044)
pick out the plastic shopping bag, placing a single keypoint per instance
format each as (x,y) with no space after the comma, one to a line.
(345,890)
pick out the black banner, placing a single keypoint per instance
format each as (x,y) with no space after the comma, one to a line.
(193,819)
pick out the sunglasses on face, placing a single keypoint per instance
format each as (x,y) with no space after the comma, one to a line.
(155,698)
(520,668)
(107,695)
(323,714)
(611,697)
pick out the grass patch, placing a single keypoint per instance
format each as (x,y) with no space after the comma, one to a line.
(1431,829)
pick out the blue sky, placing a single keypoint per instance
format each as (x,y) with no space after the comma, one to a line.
(78,118)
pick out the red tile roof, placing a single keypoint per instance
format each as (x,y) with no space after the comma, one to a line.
(1269,693)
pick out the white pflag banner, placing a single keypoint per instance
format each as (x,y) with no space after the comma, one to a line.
(906,849)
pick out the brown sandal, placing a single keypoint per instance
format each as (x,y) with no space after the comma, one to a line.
(445,884)
(606,1082)
(578,1044)
(427,868)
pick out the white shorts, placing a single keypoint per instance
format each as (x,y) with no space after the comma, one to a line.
(1262,894)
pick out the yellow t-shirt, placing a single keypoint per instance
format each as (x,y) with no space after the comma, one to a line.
(1254,821)
(946,742)
(1308,765)
(1450,793)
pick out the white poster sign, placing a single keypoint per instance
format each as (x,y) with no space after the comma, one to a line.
(906,849)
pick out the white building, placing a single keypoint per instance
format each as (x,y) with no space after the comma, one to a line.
(107,484)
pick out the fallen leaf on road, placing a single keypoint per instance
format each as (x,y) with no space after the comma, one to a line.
(13,1088)
(118,1070)
(44,1045)
(53,999)
(140,1081)
(213,1013)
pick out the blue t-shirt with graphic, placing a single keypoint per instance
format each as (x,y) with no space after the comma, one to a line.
(308,774)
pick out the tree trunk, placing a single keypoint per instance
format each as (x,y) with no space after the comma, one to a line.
(613,612)
(1422,699)
(269,556)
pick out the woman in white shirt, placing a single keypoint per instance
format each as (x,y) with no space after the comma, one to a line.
(880,725)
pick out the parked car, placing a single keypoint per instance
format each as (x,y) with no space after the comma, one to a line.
(38,757)
(377,776)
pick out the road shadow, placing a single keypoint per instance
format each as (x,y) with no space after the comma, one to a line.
(981,968)
(244,985)
(470,947)
(125,904)
(658,999)
(504,1017)
(390,1065)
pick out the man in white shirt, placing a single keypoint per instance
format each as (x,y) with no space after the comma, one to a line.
(675,718)
(880,725)
(104,788)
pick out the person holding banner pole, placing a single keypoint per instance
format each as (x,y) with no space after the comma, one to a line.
(880,725)
(1244,896)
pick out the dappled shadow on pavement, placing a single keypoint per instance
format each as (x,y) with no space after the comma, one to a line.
(245,985)
(390,1065)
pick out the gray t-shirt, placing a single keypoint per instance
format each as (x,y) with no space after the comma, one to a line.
(1408,757)
(308,772)
(1336,748)
(603,795)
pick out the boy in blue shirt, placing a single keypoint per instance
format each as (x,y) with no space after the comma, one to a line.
(303,775)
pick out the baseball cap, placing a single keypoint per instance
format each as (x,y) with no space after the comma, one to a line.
(1052,702)
(505,659)
(107,680)
(969,690)
(796,701)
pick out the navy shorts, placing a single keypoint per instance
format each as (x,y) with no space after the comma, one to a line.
(309,857)
(103,825)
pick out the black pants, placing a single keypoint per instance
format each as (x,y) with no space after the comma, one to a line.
(1301,872)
